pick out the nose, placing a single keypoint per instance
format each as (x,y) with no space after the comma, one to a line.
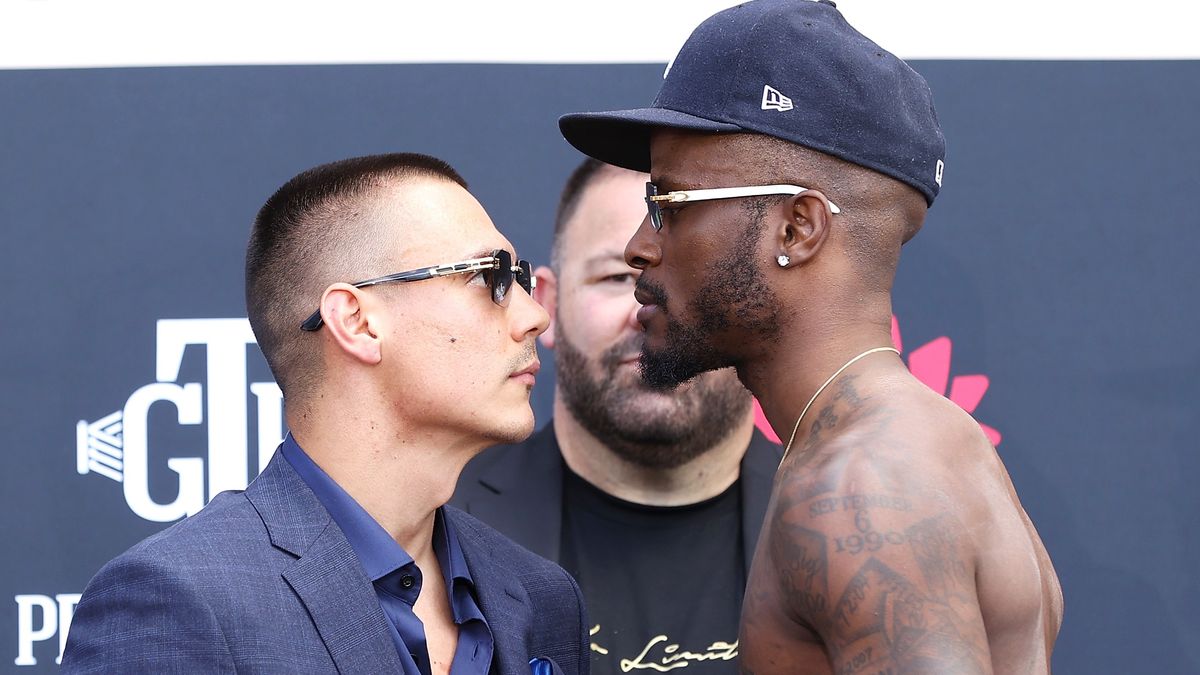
(528,318)
(643,249)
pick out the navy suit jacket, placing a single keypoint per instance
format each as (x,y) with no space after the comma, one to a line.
(263,581)
(518,490)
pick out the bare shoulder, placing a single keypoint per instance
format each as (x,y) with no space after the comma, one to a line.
(871,546)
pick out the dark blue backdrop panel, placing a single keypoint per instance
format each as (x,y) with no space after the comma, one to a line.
(1057,263)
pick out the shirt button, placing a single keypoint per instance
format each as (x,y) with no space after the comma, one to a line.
(407,581)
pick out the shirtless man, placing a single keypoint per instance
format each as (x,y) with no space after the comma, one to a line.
(894,542)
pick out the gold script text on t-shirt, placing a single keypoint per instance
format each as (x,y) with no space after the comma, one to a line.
(661,654)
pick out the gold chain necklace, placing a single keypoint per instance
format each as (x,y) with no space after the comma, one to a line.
(822,388)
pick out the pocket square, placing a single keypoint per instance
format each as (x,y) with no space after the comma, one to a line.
(539,665)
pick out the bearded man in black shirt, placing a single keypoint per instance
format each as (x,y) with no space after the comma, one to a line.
(652,500)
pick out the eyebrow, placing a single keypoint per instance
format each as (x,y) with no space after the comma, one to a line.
(667,184)
(487,252)
(611,256)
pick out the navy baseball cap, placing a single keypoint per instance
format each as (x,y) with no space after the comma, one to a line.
(792,69)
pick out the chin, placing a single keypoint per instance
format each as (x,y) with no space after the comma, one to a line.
(514,428)
(644,400)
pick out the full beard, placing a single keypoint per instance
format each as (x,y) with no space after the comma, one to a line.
(616,407)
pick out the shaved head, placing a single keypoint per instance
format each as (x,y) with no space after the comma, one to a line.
(323,226)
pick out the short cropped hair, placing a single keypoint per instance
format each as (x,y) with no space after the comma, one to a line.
(568,201)
(314,231)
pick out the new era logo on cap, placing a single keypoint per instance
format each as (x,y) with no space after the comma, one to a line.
(773,100)
(825,86)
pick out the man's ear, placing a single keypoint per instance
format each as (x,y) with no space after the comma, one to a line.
(546,295)
(804,230)
(348,323)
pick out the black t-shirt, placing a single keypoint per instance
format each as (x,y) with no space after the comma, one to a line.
(663,585)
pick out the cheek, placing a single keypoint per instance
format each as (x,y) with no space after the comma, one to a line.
(597,317)
(463,318)
(682,276)
(454,361)
(448,357)
(444,344)
(462,340)
(697,253)
(477,343)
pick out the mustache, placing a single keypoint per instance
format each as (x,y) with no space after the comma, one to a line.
(652,290)
(612,357)
(527,356)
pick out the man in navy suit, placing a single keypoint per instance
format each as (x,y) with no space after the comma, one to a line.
(341,556)
(653,500)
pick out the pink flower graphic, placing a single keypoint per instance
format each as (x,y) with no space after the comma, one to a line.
(929,363)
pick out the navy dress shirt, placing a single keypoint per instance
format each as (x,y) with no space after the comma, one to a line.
(397,579)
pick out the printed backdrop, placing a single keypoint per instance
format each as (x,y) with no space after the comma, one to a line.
(1052,293)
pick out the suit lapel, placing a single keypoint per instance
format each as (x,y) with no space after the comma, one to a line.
(343,605)
(502,599)
(327,575)
(521,494)
(758,478)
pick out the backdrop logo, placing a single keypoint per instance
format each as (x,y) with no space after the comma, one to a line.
(39,618)
(929,363)
(116,446)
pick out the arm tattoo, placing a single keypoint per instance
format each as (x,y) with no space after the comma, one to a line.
(883,596)
(880,608)
(934,546)
(803,565)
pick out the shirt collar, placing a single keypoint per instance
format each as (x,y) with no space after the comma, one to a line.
(450,556)
(454,568)
(378,553)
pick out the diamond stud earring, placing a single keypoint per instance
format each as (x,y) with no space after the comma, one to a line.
(783,260)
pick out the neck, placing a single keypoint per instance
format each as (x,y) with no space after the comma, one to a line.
(701,478)
(786,378)
(398,472)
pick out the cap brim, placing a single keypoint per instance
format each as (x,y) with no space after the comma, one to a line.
(622,137)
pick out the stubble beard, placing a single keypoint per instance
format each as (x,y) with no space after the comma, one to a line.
(516,428)
(614,407)
(735,304)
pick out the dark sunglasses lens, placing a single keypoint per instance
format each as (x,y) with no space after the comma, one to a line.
(652,206)
(525,275)
(501,279)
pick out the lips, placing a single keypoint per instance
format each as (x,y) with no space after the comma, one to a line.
(646,292)
(528,374)
(652,299)
(646,313)
(644,297)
